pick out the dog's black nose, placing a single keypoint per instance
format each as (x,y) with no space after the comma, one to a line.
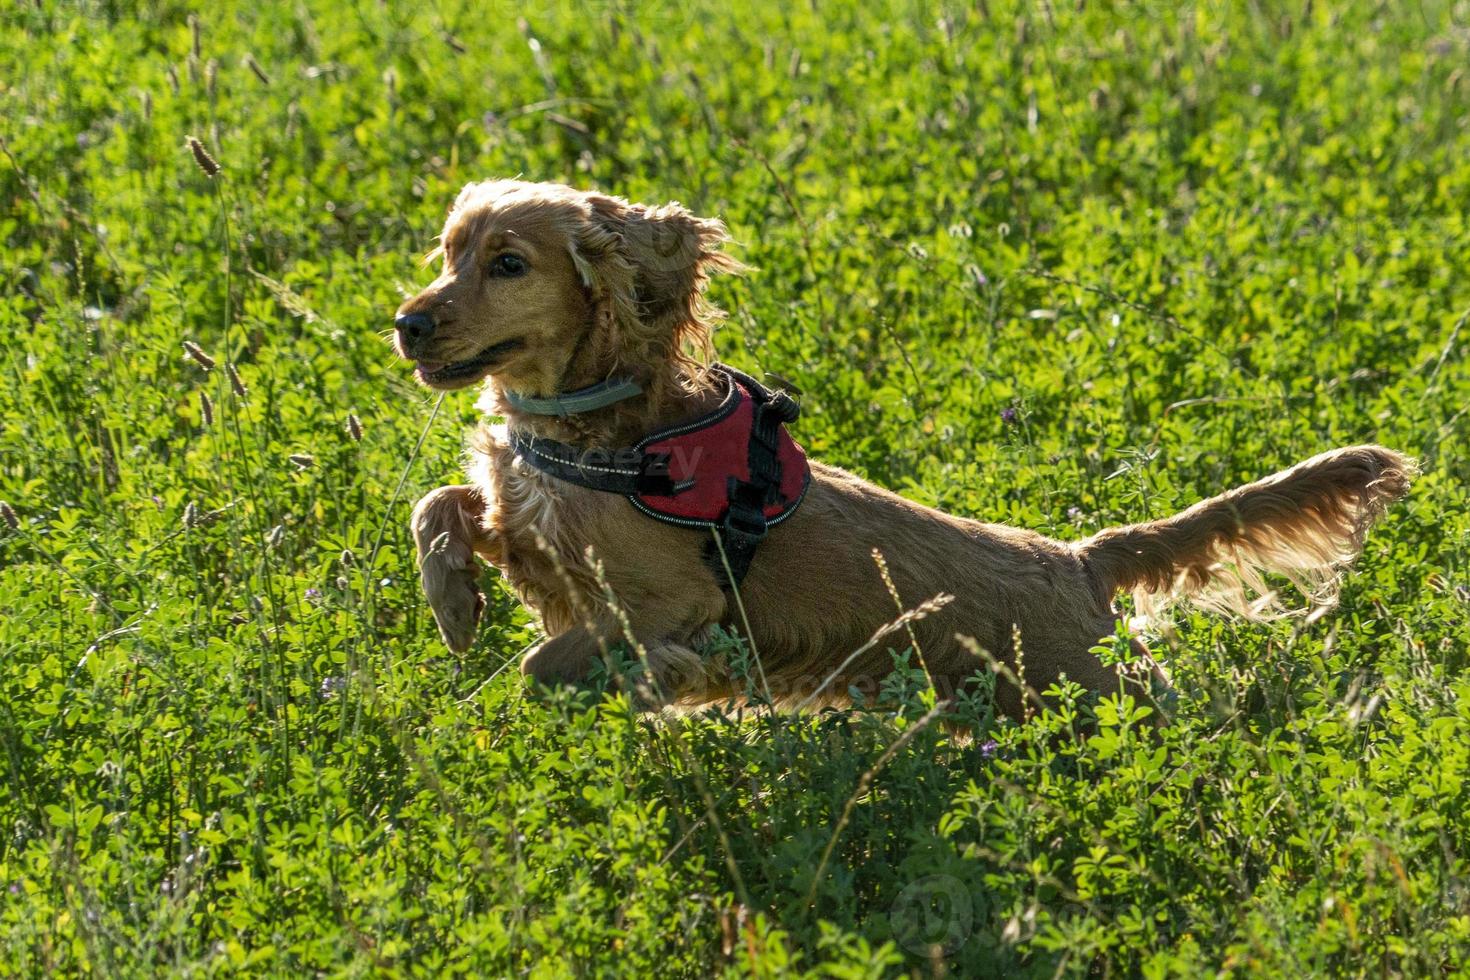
(414,328)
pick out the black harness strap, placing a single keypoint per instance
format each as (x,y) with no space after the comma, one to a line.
(622,471)
(745,525)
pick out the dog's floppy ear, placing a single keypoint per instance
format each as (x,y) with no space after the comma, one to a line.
(648,268)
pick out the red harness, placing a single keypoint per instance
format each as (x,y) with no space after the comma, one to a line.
(735,470)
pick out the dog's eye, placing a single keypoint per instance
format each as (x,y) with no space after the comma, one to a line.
(507,265)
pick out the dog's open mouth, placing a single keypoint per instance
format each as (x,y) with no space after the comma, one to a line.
(436,373)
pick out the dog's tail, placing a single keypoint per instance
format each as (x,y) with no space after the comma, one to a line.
(1304,523)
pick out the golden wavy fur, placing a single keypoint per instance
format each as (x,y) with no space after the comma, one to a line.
(597,287)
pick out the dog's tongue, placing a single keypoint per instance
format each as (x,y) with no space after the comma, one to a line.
(429,367)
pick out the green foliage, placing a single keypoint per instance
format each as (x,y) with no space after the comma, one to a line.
(1185,246)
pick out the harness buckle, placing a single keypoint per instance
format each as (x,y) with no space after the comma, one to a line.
(741,532)
(746,520)
(655,478)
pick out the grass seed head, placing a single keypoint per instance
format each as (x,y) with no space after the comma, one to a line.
(7,513)
(191,515)
(206,408)
(303,461)
(256,70)
(236,385)
(354,427)
(206,162)
(197,355)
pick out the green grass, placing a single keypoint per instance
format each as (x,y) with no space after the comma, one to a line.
(1187,246)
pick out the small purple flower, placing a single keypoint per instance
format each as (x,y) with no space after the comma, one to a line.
(15,888)
(1008,416)
(333,686)
(1074,513)
(313,595)
(987,748)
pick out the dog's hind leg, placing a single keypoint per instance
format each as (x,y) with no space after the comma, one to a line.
(448,532)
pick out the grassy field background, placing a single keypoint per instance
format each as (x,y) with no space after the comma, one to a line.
(1052,265)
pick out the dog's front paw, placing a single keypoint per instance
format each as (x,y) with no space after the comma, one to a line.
(450,577)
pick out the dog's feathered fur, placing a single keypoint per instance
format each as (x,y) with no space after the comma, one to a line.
(1305,524)
(614,288)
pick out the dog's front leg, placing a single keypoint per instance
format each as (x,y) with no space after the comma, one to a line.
(564,659)
(448,532)
(671,668)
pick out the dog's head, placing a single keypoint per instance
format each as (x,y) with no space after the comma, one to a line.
(546,287)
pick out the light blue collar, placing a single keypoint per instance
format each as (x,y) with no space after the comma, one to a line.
(600,395)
